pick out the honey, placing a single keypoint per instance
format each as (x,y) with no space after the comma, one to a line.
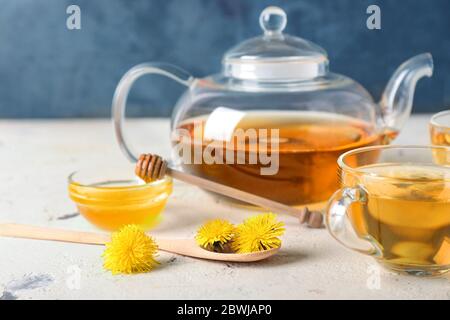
(309,144)
(407,213)
(113,204)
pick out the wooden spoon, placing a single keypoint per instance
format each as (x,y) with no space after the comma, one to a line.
(151,167)
(184,247)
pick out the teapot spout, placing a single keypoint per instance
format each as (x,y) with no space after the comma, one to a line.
(397,99)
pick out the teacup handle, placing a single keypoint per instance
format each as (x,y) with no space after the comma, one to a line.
(340,225)
(124,86)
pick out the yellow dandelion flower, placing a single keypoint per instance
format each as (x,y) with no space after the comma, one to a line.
(214,235)
(130,251)
(258,233)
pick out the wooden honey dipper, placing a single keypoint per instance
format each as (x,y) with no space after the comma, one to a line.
(151,167)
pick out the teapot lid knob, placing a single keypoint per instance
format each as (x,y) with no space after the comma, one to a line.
(273,20)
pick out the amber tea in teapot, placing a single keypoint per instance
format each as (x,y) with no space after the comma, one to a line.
(309,144)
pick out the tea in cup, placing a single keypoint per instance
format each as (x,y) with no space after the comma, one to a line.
(440,128)
(395,206)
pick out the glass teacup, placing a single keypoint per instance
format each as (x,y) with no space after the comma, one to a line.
(440,128)
(395,206)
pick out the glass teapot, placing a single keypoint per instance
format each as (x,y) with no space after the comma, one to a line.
(275,120)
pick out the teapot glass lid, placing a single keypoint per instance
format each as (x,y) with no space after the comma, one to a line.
(275,56)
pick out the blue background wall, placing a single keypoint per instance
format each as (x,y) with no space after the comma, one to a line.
(47,70)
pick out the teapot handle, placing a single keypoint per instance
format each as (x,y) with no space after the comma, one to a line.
(124,86)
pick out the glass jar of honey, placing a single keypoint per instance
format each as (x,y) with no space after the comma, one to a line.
(113,197)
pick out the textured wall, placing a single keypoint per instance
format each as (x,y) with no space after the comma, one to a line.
(49,71)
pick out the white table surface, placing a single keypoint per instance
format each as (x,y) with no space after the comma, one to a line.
(36,157)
